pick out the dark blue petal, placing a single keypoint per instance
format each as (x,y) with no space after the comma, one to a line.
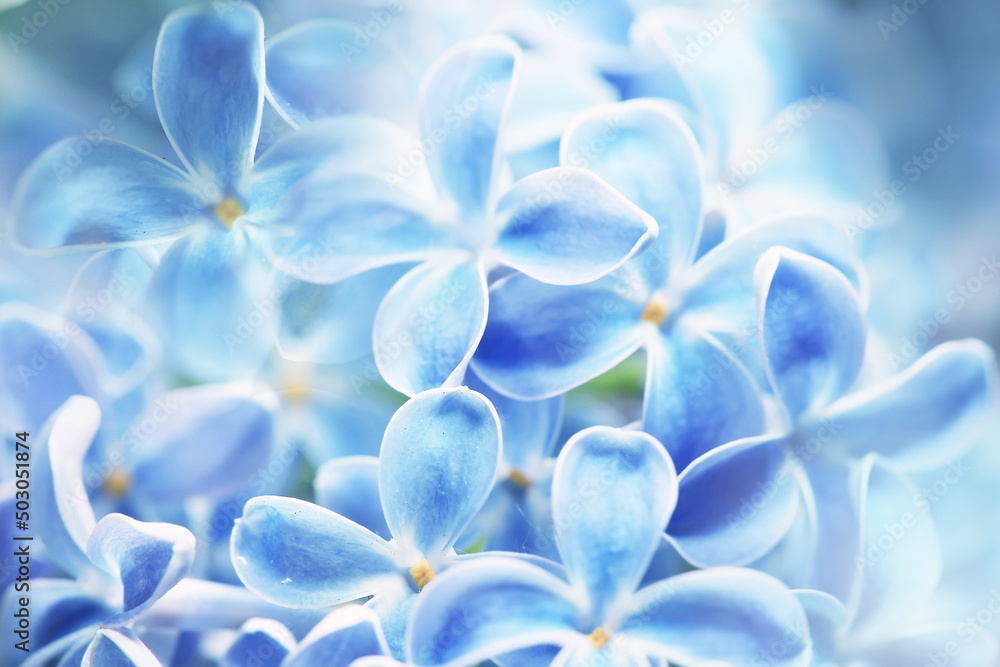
(698,395)
(263,642)
(812,329)
(339,639)
(150,558)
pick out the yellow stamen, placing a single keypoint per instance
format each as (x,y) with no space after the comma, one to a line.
(228,210)
(422,574)
(297,393)
(518,478)
(656,311)
(118,483)
(598,638)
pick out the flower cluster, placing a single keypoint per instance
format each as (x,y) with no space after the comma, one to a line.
(448,336)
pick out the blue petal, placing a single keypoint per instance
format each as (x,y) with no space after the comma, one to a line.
(150,558)
(812,329)
(827,620)
(336,224)
(698,395)
(626,482)
(934,409)
(900,560)
(646,152)
(345,635)
(324,68)
(208,82)
(262,641)
(349,487)
(331,426)
(429,324)
(116,195)
(354,143)
(731,615)
(62,513)
(735,502)
(927,645)
(44,360)
(393,607)
(118,648)
(464,98)
(583,654)
(833,531)
(438,462)
(332,324)
(566,226)
(222,427)
(226,331)
(297,554)
(543,340)
(491,606)
(529,428)
(720,284)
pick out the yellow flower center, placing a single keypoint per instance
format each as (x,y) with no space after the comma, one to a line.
(228,210)
(297,393)
(656,311)
(598,638)
(422,574)
(518,478)
(118,483)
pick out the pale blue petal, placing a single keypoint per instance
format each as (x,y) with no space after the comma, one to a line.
(698,395)
(429,324)
(813,329)
(933,645)
(208,82)
(543,340)
(44,361)
(332,324)
(262,641)
(627,483)
(222,427)
(393,607)
(827,620)
(488,607)
(646,152)
(529,428)
(832,542)
(225,331)
(732,615)
(464,98)
(934,409)
(61,511)
(118,648)
(345,635)
(117,195)
(324,68)
(735,502)
(438,462)
(355,143)
(349,487)
(720,285)
(566,226)
(149,558)
(900,561)
(583,654)
(297,554)
(338,223)
(332,426)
